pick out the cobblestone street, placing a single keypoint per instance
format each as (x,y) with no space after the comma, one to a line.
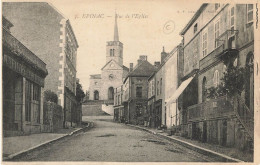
(108,141)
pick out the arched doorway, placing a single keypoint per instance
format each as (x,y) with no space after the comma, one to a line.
(111,93)
(96,95)
(204,89)
(249,85)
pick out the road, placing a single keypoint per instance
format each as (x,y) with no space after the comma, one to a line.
(114,142)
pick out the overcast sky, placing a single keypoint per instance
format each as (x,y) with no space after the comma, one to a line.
(144,28)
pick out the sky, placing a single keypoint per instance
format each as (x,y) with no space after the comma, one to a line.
(144,28)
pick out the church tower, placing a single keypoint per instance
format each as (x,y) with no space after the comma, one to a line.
(115,48)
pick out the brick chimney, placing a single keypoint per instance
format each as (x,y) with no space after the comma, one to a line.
(142,58)
(131,66)
(163,55)
(157,64)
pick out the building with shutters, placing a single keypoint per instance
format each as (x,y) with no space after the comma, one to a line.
(49,34)
(23,82)
(218,37)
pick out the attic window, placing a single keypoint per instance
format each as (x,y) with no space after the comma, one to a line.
(195,28)
(217,6)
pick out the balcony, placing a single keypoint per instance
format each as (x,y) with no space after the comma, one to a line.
(21,51)
(212,109)
(225,51)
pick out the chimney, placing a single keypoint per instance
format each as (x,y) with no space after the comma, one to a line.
(131,67)
(142,58)
(163,55)
(157,64)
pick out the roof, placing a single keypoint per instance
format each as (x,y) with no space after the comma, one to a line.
(126,68)
(95,76)
(194,18)
(144,69)
(109,62)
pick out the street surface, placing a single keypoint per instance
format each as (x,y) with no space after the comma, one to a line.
(109,141)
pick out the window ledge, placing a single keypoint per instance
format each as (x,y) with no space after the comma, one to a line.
(249,24)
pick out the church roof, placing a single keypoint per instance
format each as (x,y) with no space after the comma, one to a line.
(109,62)
(144,69)
(95,76)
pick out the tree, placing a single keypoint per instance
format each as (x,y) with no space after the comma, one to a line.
(50,96)
(87,95)
(79,92)
(233,83)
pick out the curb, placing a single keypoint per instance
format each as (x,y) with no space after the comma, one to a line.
(219,156)
(23,152)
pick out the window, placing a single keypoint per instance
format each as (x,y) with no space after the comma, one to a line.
(224,69)
(217,6)
(204,89)
(216,33)
(157,88)
(232,19)
(111,93)
(204,44)
(121,54)
(139,92)
(96,95)
(161,86)
(249,8)
(153,88)
(111,52)
(235,63)
(195,28)
(36,92)
(216,78)
(28,100)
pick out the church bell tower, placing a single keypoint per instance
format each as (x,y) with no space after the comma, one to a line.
(114,49)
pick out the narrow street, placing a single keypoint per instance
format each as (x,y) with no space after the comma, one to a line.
(109,141)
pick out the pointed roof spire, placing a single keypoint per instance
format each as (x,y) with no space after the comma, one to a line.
(163,49)
(116,37)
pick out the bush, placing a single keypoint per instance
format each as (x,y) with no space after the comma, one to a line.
(50,96)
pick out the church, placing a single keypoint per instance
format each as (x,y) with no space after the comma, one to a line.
(112,75)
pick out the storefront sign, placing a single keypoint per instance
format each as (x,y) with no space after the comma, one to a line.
(23,70)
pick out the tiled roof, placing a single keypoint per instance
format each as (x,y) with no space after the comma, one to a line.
(143,69)
(125,68)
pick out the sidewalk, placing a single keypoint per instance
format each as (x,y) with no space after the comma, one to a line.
(15,146)
(224,153)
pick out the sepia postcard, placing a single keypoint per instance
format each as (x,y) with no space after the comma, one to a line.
(123,82)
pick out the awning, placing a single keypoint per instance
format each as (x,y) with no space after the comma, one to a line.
(179,91)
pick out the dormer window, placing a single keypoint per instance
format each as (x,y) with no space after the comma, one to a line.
(195,28)
(217,6)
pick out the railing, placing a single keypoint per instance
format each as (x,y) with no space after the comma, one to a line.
(22,51)
(108,101)
(244,115)
(226,41)
(222,107)
(213,108)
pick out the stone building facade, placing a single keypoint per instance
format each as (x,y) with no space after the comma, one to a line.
(102,86)
(173,66)
(23,81)
(135,89)
(118,105)
(218,37)
(48,33)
